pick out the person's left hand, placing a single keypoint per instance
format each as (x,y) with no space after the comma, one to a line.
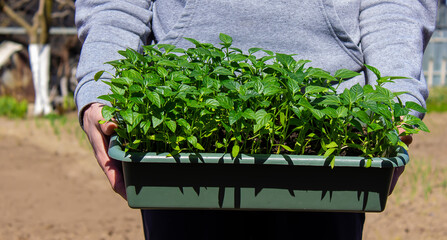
(99,135)
(399,170)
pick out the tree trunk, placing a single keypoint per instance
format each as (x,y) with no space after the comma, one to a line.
(39,51)
(40,67)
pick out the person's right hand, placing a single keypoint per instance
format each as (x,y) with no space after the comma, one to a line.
(99,136)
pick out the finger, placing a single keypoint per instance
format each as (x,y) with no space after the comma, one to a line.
(110,167)
(99,141)
(115,176)
(108,128)
(396,174)
(407,139)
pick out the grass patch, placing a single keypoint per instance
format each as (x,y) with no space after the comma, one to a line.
(437,100)
(12,108)
(420,179)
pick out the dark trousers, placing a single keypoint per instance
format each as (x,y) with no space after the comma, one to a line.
(232,225)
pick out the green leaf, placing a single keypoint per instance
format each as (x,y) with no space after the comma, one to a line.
(321,74)
(219,145)
(236,50)
(385,111)
(330,100)
(282,119)
(167,63)
(182,122)
(192,140)
(357,90)
(374,70)
(156,120)
(315,89)
(235,150)
(145,125)
(172,125)
(195,42)
(212,103)
(122,81)
(268,52)
(293,86)
(372,127)
(108,112)
(348,96)
(98,75)
(225,102)
(287,148)
(237,57)
(415,106)
(415,121)
(254,50)
(329,152)
(362,116)
(234,116)
(231,85)
(305,103)
(107,98)
(421,125)
(199,146)
(222,71)
(270,90)
(154,98)
(399,110)
(393,137)
(249,114)
(162,71)
(368,162)
(166,47)
(330,112)
(369,105)
(194,104)
(367,89)
(227,40)
(356,124)
(332,145)
(383,80)
(135,88)
(128,116)
(137,100)
(341,112)
(284,59)
(262,119)
(345,74)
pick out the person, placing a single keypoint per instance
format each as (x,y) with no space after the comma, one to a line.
(389,35)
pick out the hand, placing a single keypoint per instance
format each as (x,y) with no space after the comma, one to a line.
(99,136)
(399,170)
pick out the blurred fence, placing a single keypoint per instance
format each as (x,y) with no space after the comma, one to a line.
(435,59)
(53,31)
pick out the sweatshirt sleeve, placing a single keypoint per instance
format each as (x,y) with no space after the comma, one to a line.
(104,27)
(394,34)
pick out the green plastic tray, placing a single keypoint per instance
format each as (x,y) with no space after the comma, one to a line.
(255,182)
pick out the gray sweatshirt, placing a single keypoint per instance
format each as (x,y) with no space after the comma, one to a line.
(390,35)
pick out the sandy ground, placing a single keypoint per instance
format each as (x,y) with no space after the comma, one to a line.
(52,188)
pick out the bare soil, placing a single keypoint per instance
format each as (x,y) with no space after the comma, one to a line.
(52,187)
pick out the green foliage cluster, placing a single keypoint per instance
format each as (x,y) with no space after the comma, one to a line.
(219,99)
(437,100)
(12,108)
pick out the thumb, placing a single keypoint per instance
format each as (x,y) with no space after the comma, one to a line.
(108,128)
(407,139)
